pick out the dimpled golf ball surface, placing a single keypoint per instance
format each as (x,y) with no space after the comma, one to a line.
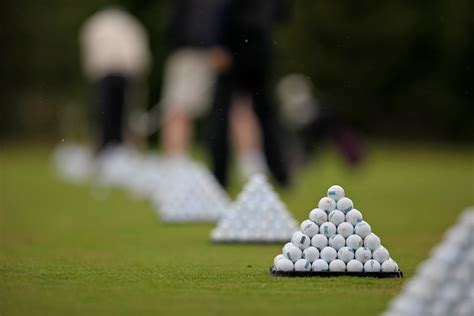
(355,266)
(336,217)
(319,241)
(277,258)
(372,266)
(354,217)
(309,228)
(336,192)
(354,242)
(380,254)
(389,266)
(320,265)
(345,229)
(345,254)
(327,204)
(363,254)
(302,265)
(345,205)
(328,229)
(318,216)
(363,229)
(337,266)
(311,254)
(300,240)
(293,253)
(337,242)
(372,241)
(285,265)
(328,254)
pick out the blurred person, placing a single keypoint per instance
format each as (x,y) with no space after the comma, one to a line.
(115,54)
(190,68)
(247,36)
(313,119)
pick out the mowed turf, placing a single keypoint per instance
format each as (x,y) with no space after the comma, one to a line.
(67,249)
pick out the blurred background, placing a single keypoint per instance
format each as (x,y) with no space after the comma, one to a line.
(395,69)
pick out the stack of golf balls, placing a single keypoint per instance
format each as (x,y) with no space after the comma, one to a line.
(335,238)
(444,284)
(258,215)
(188,192)
(73,162)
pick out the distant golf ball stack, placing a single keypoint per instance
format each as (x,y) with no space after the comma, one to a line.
(334,239)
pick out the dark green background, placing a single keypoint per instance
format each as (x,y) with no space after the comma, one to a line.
(398,69)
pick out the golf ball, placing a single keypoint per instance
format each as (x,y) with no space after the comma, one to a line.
(319,241)
(336,192)
(336,217)
(337,242)
(318,216)
(345,205)
(328,254)
(372,266)
(327,204)
(302,265)
(389,266)
(284,265)
(311,254)
(300,240)
(328,229)
(380,254)
(277,258)
(309,228)
(320,265)
(345,229)
(354,216)
(363,229)
(355,266)
(363,254)
(372,241)
(345,254)
(337,266)
(354,242)
(293,253)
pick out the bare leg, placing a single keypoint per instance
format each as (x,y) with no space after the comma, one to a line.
(176,134)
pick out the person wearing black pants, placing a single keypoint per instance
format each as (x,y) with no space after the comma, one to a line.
(247,37)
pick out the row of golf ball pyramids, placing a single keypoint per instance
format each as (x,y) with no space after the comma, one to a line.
(443,284)
(335,238)
(258,215)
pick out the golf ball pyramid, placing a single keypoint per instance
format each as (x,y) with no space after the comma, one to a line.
(258,215)
(443,284)
(335,238)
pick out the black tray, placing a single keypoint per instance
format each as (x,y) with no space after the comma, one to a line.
(326,274)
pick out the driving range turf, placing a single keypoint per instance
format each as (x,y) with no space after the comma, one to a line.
(68,249)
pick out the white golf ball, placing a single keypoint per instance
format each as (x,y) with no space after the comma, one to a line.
(284,265)
(336,192)
(328,254)
(311,254)
(318,216)
(319,241)
(337,242)
(345,229)
(293,253)
(336,217)
(345,205)
(363,254)
(300,240)
(354,216)
(372,266)
(277,258)
(363,229)
(355,266)
(372,241)
(328,229)
(302,265)
(346,254)
(337,266)
(354,242)
(380,254)
(320,265)
(309,228)
(389,266)
(327,204)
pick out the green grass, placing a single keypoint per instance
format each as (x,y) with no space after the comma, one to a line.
(64,252)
